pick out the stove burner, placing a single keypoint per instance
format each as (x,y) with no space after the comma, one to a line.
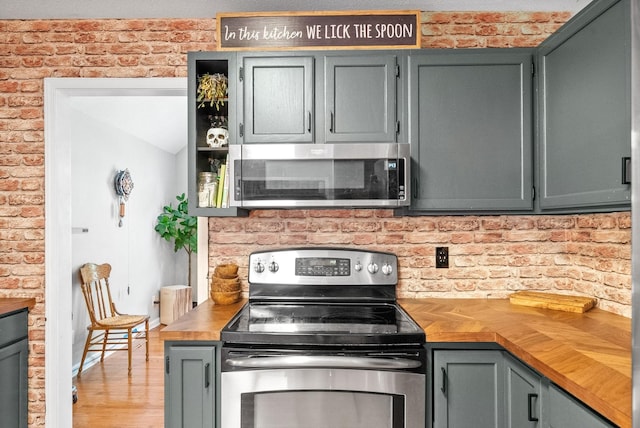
(322,324)
(322,318)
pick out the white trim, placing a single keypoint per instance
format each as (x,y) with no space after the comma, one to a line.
(58,355)
(202,261)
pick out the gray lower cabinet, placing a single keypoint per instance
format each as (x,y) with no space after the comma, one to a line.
(584,110)
(468,387)
(191,385)
(471,130)
(487,388)
(523,395)
(14,353)
(564,411)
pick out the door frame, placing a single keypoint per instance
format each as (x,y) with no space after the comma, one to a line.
(58,275)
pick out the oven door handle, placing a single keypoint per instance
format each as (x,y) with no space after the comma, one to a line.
(322,361)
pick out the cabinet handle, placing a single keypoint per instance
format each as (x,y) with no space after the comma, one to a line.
(443,388)
(414,189)
(309,122)
(530,416)
(331,122)
(207,375)
(626,170)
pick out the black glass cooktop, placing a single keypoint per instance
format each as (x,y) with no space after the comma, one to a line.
(322,324)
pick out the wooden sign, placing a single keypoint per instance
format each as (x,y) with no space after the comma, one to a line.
(318,30)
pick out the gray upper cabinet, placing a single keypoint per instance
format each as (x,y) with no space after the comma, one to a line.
(360,98)
(585,109)
(278,99)
(204,115)
(471,130)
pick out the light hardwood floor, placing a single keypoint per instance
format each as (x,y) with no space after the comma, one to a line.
(109,398)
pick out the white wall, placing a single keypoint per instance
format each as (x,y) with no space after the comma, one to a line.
(141,260)
(180,180)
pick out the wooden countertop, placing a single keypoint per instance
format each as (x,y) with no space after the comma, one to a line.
(589,354)
(202,323)
(12,304)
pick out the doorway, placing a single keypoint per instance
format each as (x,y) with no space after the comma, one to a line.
(59,94)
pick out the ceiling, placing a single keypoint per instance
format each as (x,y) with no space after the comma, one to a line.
(159,120)
(47,9)
(162,120)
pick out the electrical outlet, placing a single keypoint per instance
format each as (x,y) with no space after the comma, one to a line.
(442,257)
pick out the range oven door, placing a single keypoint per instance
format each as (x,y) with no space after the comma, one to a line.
(319,390)
(319,175)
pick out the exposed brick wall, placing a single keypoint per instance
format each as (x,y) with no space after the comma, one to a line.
(594,256)
(489,256)
(488,29)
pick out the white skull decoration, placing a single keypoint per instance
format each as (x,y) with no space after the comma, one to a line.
(217,137)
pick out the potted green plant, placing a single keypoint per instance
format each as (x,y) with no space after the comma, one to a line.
(176,224)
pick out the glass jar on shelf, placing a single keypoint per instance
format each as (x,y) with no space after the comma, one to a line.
(207,189)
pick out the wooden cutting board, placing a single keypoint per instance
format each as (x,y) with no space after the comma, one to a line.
(559,302)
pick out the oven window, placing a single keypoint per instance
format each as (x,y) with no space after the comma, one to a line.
(322,409)
(318,179)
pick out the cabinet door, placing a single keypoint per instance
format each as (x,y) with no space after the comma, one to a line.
(468,389)
(13,387)
(360,98)
(190,386)
(471,130)
(585,109)
(523,395)
(278,99)
(564,411)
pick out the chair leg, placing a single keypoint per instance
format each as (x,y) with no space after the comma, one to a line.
(104,344)
(86,349)
(129,347)
(146,337)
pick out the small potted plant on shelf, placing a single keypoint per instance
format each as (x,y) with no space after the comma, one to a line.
(212,89)
(176,224)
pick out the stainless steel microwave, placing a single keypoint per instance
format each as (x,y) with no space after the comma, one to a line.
(319,175)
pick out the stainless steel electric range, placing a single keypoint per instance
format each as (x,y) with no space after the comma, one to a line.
(322,342)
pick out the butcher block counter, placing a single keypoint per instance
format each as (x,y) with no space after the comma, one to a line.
(587,354)
(12,304)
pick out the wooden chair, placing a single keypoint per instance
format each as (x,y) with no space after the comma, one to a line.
(108,326)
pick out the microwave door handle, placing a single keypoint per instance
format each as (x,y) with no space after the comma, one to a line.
(322,361)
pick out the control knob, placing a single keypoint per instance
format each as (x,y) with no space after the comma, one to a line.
(273,267)
(387,269)
(372,268)
(358,267)
(258,267)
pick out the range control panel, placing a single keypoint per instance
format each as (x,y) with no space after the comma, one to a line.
(323,266)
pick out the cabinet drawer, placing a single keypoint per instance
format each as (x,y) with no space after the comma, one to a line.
(13,327)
